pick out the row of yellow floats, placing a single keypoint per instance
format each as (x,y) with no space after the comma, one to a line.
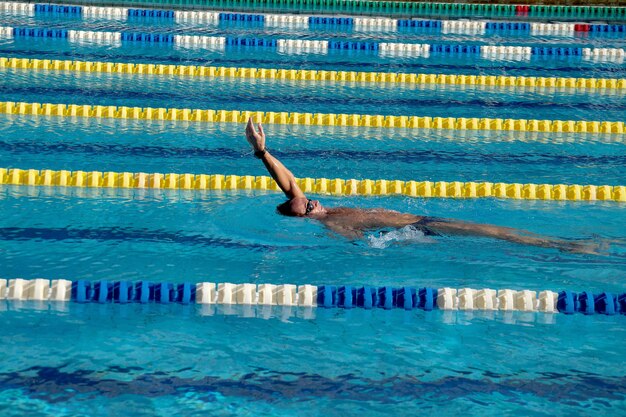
(318,119)
(454,189)
(311,75)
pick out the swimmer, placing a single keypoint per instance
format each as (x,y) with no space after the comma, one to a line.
(353,222)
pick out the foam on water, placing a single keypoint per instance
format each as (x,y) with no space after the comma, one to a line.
(406,235)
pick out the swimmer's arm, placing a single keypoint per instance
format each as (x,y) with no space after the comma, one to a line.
(283,177)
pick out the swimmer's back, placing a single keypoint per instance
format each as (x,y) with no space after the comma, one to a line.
(368,219)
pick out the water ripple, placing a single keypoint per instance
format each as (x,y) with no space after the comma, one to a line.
(55,385)
(408,156)
(119,234)
(305,99)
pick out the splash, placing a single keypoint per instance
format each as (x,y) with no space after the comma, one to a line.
(403,236)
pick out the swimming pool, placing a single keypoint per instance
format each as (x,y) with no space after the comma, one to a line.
(147,359)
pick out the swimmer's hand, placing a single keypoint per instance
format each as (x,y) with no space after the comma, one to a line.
(255,139)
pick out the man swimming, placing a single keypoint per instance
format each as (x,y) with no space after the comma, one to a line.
(353,222)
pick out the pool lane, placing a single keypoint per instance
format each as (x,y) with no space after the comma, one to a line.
(122,234)
(331,152)
(335,60)
(292,95)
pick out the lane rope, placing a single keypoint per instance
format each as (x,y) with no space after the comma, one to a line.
(299,46)
(310,119)
(389,8)
(315,22)
(323,296)
(338,187)
(312,75)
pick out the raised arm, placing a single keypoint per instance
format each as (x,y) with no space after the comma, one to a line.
(283,177)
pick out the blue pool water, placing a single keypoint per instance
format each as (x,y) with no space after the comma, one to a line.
(161,360)
(72,359)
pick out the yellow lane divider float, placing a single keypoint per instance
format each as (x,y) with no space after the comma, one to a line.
(317,119)
(455,189)
(311,75)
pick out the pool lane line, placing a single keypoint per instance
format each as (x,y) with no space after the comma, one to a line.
(299,46)
(311,119)
(314,75)
(322,296)
(350,7)
(324,186)
(357,24)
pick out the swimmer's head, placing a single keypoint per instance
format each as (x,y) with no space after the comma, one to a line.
(301,207)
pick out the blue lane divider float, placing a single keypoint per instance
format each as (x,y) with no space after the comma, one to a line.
(607,28)
(241,17)
(251,42)
(132,292)
(501,28)
(455,49)
(357,23)
(323,296)
(134,14)
(421,24)
(54,9)
(556,51)
(587,303)
(330,21)
(40,33)
(353,45)
(146,37)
